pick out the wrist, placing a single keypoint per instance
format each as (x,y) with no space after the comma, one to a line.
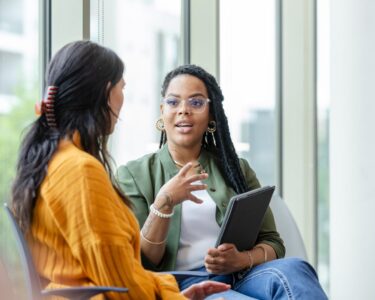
(164,203)
(159,213)
(246,261)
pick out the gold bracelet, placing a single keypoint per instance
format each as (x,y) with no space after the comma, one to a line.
(150,242)
(250,259)
(264,250)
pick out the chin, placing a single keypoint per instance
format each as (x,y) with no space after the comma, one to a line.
(186,142)
(112,129)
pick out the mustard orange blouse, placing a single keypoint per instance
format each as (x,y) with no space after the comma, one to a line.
(83,234)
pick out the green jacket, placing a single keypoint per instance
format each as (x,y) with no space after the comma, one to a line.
(141,180)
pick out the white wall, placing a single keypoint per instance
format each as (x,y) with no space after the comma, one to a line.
(352,149)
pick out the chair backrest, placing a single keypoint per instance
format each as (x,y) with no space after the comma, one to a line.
(287,228)
(31,275)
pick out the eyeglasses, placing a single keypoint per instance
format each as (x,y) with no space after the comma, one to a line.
(195,104)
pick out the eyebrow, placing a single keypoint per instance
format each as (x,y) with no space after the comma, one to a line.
(192,95)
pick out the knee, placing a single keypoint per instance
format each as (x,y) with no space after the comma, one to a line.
(299,278)
(293,266)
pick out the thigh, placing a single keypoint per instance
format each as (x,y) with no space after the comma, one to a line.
(185,283)
(230,294)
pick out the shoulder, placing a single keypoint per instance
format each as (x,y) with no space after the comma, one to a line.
(249,173)
(140,166)
(73,161)
(244,164)
(147,159)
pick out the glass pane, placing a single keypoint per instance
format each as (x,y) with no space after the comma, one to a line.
(248,80)
(19,87)
(146,35)
(19,90)
(11,16)
(323,113)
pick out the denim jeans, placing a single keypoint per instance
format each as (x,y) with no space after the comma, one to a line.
(287,278)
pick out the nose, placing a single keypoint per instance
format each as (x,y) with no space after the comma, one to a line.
(184,108)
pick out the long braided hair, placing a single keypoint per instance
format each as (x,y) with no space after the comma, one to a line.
(81,75)
(223,150)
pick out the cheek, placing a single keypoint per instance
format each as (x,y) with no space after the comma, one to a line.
(122,100)
(168,120)
(119,101)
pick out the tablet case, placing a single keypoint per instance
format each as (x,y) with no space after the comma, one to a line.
(244,217)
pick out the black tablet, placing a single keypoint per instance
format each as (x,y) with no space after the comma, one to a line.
(244,217)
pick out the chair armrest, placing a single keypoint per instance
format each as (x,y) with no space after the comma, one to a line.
(180,275)
(82,292)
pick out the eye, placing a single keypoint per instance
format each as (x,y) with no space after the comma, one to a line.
(172,102)
(196,102)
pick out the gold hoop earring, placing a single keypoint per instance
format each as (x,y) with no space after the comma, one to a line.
(159,124)
(211,127)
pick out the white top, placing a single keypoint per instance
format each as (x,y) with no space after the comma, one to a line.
(199,231)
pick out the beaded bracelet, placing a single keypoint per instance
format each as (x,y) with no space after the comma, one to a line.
(159,213)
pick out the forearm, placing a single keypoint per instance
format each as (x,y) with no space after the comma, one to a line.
(260,254)
(155,230)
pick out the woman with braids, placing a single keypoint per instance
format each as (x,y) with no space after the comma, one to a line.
(180,195)
(79,225)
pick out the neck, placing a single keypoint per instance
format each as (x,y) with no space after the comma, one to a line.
(184,155)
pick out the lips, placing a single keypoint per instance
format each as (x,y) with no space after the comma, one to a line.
(184,125)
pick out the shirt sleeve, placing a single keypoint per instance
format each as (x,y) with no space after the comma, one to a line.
(268,233)
(129,186)
(103,235)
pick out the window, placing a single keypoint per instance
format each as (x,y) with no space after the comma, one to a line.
(248,79)
(146,35)
(19,90)
(11,68)
(19,86)
(11,15)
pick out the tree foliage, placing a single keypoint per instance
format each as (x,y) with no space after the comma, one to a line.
(12,125)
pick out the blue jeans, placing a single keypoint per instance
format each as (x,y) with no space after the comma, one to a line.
(287,278)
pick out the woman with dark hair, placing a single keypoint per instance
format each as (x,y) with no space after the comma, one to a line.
(79,225)
(179,234)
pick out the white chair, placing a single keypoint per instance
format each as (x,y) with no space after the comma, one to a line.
(287,227)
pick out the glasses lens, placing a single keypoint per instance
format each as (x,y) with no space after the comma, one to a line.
(197,103)
(172,102)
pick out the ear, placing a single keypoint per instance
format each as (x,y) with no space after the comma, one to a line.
(210,118)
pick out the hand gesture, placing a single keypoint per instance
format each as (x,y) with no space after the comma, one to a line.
(225,259)
(179,188)
(201,290)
